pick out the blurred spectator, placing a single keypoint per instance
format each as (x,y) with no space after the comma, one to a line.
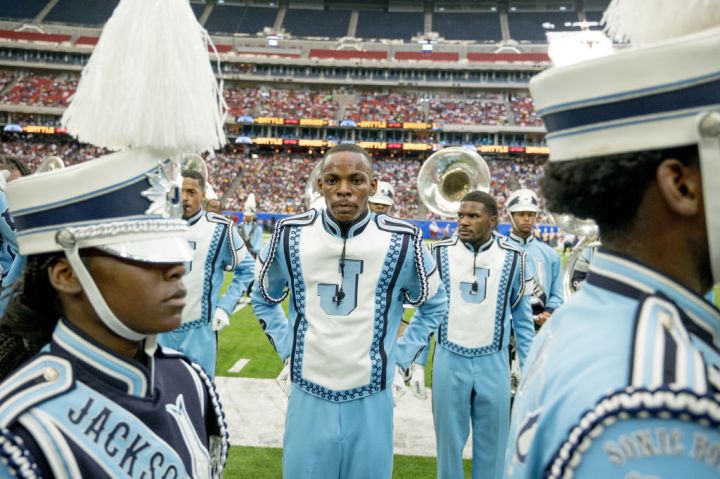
(480,108)
(523,110)
(282,103)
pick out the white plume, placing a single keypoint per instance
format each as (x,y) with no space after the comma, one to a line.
(149,83)
(644,21)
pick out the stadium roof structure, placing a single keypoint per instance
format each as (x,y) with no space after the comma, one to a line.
(436,22)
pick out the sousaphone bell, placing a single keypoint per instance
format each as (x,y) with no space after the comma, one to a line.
(448,175)
(50,163)
(576,266)
(196,163)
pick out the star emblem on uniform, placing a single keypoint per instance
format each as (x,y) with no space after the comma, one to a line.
(164,191)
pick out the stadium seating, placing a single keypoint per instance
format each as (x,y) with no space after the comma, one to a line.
(280,103)
(198,8)
(386,106)
(508,57)
(477,108)
(531,26)
(41,90)
(6,77)
(402,25)
(240,19)
(347,54)
(21,9)
(479,27)
(524,111)
(317,23)
(428,56)
(594,17)
(83,12)
(468,108)
(34,36)
(85,40)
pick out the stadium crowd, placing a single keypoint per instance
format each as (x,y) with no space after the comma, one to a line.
(278,102)
(523,111)
(484,108)
(278,177)
(41,90)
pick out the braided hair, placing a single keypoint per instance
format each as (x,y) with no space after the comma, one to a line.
(31,315)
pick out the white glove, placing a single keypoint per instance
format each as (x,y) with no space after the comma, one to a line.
(283,380)
(220,320)
(417,381)
(398,386)
(4,175)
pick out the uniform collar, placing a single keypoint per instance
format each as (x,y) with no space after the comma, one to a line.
(483,247)
(196,217)
(129,376)
(629,278)
(520,240)
(351,230)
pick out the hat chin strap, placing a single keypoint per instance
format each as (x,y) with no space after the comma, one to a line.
(709,149)
(98,302)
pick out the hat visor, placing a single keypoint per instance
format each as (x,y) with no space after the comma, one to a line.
(524,209)
(174,249)
(381,201)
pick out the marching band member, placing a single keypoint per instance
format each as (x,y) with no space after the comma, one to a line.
(543,261)
(348,273)
(625,379)
(382,201)
(217,248)
(250,231)
(11,262)
(484,276)
(100,400)
(105,248)
(213,205)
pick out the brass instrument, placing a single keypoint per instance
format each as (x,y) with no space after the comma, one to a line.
(196,163)
(313,197)
(576,266)
(448,175)
(50,163)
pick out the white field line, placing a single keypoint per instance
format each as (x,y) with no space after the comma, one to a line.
(237,367)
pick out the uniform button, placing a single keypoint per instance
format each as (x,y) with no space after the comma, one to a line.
(50,374)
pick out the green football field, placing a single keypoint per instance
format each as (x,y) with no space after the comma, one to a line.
(244,338)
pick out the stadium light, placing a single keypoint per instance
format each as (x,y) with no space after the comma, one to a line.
(567,48)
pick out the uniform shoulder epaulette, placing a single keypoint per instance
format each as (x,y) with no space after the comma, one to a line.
(41,379)
(452,241)
(395,225)
(301,219)
(504,243)
(660,328)
(216,218)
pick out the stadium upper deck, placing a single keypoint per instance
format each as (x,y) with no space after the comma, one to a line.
(470,89)
(453,31)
